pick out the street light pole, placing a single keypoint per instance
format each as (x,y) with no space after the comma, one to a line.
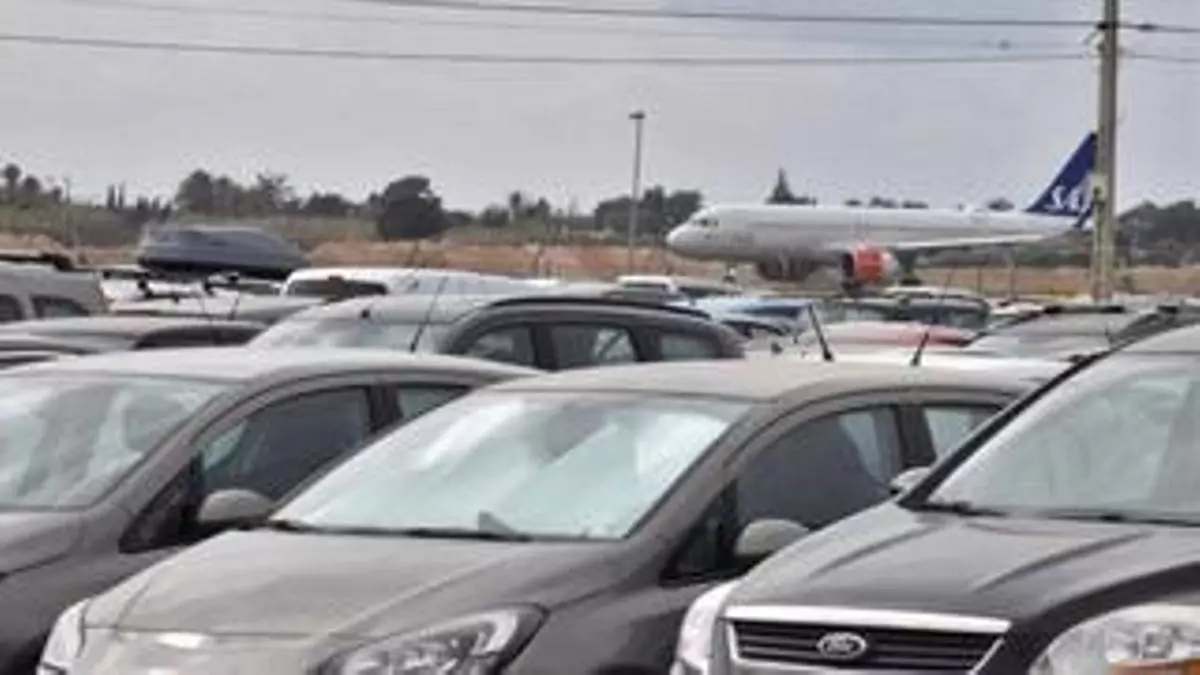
(639,119)
(1104,178)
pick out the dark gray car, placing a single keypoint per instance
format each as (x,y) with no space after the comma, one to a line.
(110,463)
(554,525)
(542,330)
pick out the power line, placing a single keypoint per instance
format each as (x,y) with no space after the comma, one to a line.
(757,17)
(532,59)
(585,28)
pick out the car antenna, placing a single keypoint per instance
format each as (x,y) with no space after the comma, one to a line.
(826,352)
(234,280)
(925,337)
(437,294)
(208,317)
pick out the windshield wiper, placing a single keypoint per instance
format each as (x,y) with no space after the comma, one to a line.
(959,508)
(1116,516)
(301,527)
(462,533)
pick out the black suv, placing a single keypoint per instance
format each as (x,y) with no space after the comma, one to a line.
(1061,538)
(550,332)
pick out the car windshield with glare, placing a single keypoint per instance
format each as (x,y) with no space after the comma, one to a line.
(541,465)
(1120,441)
(66,441)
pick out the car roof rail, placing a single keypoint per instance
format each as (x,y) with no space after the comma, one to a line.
(59,261)
(599,300)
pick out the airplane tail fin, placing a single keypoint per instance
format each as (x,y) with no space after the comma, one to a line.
(1069,196)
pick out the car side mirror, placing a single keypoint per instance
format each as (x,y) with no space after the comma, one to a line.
(227,509)
(763,538)
(908,480)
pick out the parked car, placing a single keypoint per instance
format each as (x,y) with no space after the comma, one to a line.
(37,285)
(952,312)
(549,332)
(951,358)
(1066,331)
(345,282)
(264,309)
(557,524)
(96,334)
(110,463)
(1060,539)
(858,336)
(688,287)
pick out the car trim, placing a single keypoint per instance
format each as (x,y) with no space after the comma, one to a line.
(869,618)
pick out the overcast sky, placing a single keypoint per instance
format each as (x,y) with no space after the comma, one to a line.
(945,134)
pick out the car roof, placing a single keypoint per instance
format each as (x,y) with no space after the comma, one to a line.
(1185,340)
(239,364)
(764,379)
(112,324)
(416,307)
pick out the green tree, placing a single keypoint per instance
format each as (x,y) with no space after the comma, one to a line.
(411,210)
(495,217)
(30,191)
(999,204)
(196,193)
(782,192)
(12,176)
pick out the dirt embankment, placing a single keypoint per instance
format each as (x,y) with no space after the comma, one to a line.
(605,262)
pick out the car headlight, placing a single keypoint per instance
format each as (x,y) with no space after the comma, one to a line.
(472,645)
(1160,639)
(66,641)
(694,649)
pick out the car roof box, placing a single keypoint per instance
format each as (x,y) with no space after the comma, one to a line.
(210,249)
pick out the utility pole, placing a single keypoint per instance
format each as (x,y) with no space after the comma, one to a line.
(639,119)
(1104,176)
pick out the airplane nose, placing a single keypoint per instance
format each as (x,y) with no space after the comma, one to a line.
(677,237)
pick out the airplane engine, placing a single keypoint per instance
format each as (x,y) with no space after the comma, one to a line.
(786,269)
(870,266)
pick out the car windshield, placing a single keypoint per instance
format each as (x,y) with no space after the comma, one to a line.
(568,465)
(66,440)
(1121,438)
(350,332)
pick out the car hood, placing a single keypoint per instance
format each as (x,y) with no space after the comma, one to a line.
(1008,568)
(28,539)
(308,585)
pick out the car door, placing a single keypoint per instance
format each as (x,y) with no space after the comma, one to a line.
(813,467)
(786,472)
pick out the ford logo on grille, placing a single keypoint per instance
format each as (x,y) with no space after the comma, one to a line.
(842,647)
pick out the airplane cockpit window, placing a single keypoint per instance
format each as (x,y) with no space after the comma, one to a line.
(706,222)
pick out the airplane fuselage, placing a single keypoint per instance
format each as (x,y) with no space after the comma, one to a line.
(761,233)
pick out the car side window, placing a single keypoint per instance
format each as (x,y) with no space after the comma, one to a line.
(511,344)
(823,470)
(582,346)
(270,451)
(51,307)
(815,474)
(10,309)
(949,425)
(416,400)
(686,347)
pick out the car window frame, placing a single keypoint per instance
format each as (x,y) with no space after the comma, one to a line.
(724,499)
(15,303)
(680,522)
(38,300)
(180,452)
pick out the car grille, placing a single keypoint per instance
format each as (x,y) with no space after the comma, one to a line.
(887,648)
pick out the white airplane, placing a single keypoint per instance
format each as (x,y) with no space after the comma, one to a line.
(868,245)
